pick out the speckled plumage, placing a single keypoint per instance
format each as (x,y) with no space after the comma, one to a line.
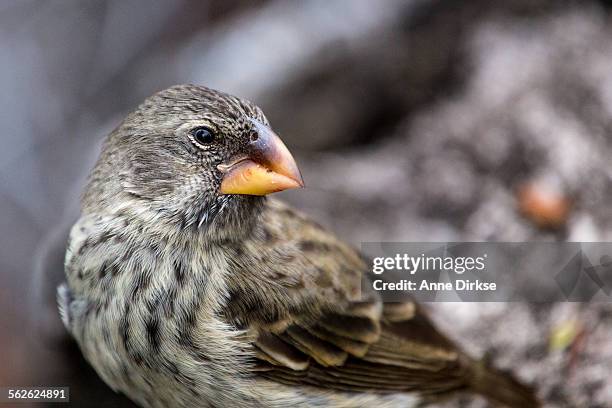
(181,296)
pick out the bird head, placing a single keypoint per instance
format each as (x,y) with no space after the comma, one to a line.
(192,154)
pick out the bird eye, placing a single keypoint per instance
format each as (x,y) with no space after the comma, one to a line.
(203,135)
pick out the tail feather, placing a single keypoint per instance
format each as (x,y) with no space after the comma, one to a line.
(502,388)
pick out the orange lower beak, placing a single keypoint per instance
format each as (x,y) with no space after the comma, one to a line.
(268,167)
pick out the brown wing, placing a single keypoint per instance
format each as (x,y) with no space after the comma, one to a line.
(299,296)
(388,356)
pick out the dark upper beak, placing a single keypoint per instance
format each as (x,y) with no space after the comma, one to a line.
(268,166)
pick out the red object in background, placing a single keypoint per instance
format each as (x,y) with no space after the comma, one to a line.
(544,207)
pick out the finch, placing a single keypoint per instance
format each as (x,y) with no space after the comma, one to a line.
(187,287)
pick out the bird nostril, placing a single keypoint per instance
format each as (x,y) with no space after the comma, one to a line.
(254,137)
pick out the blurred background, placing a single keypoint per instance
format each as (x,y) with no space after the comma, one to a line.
(411,120)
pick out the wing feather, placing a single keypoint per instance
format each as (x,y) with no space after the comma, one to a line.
(328,330)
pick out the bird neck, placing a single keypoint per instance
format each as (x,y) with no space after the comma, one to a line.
(228,218)
(233,219)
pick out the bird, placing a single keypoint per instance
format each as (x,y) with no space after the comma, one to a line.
(188,286)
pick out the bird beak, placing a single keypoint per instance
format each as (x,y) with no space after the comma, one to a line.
(268,167)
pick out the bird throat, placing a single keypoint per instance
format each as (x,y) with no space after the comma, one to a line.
(232,216)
